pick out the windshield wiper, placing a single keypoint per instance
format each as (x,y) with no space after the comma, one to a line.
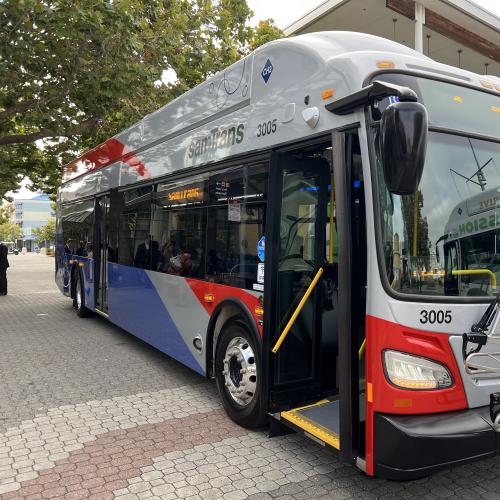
(478,333)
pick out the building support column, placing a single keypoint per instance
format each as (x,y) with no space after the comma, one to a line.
(419,27)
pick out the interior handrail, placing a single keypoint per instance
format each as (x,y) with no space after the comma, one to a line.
(466,272)
(290,323)
(362,349)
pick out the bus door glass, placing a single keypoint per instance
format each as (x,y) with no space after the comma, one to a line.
(101,253)
(298,241)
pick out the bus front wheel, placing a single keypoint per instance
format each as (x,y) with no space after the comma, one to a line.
(238,375)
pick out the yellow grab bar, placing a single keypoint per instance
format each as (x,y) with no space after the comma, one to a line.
(362,349)
(290,323)
(465,272)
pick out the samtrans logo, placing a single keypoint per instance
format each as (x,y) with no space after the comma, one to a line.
(218,138)
(267,70)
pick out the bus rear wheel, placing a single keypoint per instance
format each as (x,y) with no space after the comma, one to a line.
(79,300)
(237,373)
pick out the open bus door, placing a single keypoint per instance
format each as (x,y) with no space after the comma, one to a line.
(100,253)
(310,342)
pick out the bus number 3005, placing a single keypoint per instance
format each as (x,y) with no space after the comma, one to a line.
(266,128)
(431,316)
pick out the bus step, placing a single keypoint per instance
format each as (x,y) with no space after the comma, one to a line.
(319,421)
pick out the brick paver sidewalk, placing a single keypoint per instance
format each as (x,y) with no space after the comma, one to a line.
(87,410)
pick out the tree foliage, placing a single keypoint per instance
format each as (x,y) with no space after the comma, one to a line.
(10,231)
(75,72)
(417,227)
(264,32)
(6,212)
(46,233)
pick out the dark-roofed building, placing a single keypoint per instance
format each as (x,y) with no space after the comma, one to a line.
(455,32)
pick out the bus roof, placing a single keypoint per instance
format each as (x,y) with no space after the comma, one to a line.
(475,214)
(271,81)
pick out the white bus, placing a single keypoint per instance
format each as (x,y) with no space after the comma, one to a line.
(471,245)
(248,230)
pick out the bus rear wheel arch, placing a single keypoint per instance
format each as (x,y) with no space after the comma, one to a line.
(230,309)
(237,370)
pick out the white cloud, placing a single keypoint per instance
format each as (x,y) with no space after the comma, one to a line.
(23,193)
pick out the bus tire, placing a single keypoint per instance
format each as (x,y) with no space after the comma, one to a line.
(238,375)
(79,300)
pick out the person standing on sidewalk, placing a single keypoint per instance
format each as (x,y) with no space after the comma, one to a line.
(4,264)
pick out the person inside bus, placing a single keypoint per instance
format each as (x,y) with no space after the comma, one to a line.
(182,263)
(80,251)
(214,263)
(196,254)
(88,249)
(168,251)
(187,264)
(155,255)
(143,254)
(70,246)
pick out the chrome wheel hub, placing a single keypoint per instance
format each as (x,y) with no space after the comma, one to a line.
(78,297)
(240,371)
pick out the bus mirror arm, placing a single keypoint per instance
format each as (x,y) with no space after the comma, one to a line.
(368,95)
(479,331)
(477,338)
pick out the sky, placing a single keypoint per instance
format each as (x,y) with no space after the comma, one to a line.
(284,12)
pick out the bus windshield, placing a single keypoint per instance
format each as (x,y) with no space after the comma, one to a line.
(445,239)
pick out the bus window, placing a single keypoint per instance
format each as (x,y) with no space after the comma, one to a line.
(78,228)
(179,221)
(232,252)
(135,237)
(236,225)
(181,240)
(456,205)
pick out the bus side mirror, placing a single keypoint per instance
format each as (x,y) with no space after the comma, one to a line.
(403,141)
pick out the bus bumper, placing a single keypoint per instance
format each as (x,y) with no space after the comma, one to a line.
(413,446)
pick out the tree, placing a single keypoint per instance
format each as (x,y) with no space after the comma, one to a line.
(417,227)
(265,31)
(46,232)
(10,231)
(75,72)
(6,212)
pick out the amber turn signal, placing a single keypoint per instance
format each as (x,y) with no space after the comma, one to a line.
(326,94)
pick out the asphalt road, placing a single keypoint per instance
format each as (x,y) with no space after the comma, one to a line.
(87,410)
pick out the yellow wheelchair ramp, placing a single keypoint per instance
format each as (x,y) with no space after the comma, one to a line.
(319,421)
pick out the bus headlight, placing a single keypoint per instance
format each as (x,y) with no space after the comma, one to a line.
(415,372)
